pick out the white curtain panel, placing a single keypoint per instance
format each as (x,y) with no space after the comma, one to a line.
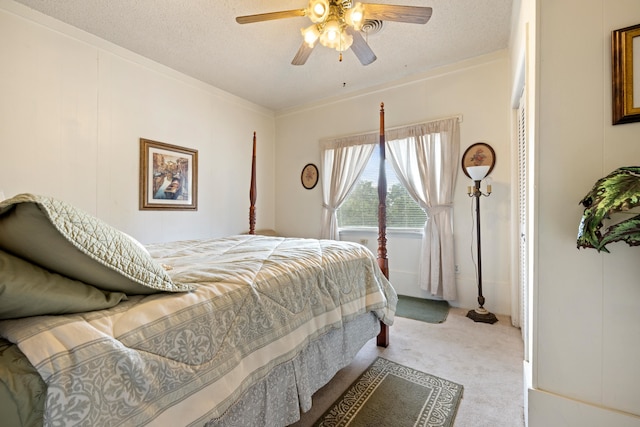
(343,161)
(425,158)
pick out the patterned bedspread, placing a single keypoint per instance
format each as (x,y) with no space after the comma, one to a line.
(182,359)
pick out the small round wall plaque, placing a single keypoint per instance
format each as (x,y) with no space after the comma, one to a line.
(478,154)
(309,176)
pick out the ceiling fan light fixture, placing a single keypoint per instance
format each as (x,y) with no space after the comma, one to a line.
(338,24)
(318,10)
(330,36)
(355,16)
(310,35)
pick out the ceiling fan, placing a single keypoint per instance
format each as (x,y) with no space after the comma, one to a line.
(337,23)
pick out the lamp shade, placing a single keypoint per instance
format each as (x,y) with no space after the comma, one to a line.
(346,40)
(355,16)
(310,35)
(330,36)
(318,10)
(477,173)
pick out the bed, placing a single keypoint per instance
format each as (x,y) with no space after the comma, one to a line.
(98,329)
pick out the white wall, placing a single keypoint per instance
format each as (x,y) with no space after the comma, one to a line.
(74,107)
(587,304)
(478,90)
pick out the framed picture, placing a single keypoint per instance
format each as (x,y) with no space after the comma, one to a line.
(168,176)
(625,57)
(309,176)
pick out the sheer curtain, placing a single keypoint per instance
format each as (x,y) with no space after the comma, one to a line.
(425,158)
(342,163)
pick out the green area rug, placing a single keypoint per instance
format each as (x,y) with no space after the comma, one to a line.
(425,310)
(391,395)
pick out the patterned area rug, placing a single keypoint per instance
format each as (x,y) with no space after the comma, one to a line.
(389,394)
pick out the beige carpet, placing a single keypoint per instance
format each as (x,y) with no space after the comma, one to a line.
(486,359)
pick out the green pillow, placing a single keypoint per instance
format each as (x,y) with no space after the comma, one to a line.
(63,239)
(29,290)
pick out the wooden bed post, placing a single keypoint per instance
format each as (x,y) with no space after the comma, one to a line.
(383,262)
(252,191)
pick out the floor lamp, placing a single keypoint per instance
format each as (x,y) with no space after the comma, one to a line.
(477,162)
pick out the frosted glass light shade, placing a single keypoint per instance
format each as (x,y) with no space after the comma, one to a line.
(310,35)
(346,40)
(477,173)
(355,16)
(318,10)
(330,37)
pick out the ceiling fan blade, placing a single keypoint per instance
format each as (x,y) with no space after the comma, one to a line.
(361,48)
(248,19)
(390,12)
(302,55)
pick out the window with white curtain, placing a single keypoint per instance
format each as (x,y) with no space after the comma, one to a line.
(419,194)
(360,208)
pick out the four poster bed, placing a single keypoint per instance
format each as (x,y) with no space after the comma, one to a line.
(98,329)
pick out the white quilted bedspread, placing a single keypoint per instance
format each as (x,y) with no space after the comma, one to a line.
(181,359)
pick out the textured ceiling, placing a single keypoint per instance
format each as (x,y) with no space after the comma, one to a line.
(201,38)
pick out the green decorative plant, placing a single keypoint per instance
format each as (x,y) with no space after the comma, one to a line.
(616,193)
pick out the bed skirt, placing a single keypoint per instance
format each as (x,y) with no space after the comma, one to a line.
(287,391)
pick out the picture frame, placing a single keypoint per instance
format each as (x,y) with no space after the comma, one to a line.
(625,56)
(168,176)
(309,176)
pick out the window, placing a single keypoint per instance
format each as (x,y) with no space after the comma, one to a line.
(360,209)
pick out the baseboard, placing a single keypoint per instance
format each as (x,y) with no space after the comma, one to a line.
(547,409)
(527,373)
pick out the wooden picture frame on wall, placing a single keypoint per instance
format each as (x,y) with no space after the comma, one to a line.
(309,176)
(168,176)
(625,53)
